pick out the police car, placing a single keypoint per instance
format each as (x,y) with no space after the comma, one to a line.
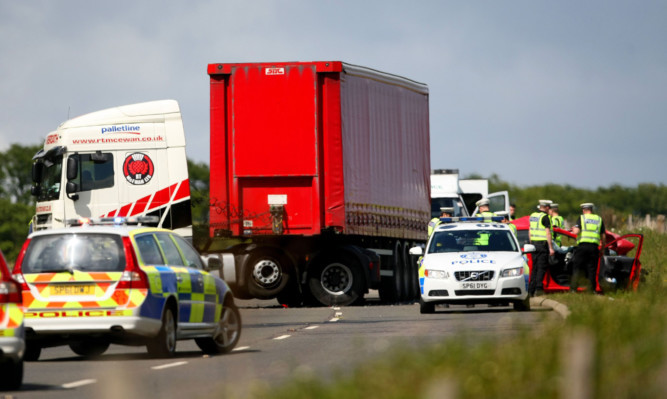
(473,261)
(115,281)
(12,342)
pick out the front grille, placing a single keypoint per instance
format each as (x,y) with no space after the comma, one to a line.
(438,293)
(478,275)
(474,292)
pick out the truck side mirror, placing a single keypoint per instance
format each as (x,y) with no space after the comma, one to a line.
(71,188)
(72,168)
(37,171)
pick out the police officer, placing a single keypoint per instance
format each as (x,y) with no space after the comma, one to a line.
(540,236)
(556,221)
(591,241)
(445,212)
(505,216)
(512,211)
(483,209)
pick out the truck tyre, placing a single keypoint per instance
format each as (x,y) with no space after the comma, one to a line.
(409,274)
(32,351)
(290,296)
(227,333)
(336,281)
(12,375)
(266,276)
(399,273)
(89,348)
(164,344)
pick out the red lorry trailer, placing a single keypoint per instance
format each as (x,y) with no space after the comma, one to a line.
(320,173)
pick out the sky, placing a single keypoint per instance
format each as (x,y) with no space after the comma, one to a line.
(564,92)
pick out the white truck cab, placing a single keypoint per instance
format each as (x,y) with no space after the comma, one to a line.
(448,190)
(122,161)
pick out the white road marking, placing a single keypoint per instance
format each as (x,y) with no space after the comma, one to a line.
(335,319)
(166,366)
(311,327)
(282,337)
(240,348)
(78,383)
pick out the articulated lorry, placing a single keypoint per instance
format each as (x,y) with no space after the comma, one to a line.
(319,178)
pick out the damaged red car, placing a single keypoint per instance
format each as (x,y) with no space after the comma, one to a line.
(618,269)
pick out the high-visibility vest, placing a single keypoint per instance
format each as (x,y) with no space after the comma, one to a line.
(513,229)
(591,226)
(557,221)
(537,231)
(483,238)
(486,215)
(432,225)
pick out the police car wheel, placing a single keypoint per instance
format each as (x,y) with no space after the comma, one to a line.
(522,306)
(89,348)
(426,307)
(164,344)
(227,333)
(12,375)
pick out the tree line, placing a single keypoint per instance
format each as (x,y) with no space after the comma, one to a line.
(614,203)
(17,205)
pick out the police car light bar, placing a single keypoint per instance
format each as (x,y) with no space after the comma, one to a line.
(472,219)
(114,221)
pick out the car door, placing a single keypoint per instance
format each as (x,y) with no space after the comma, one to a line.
(498,201)
(205,286)
(185,285)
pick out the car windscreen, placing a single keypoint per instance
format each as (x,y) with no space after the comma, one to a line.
(472,240)
(67,252)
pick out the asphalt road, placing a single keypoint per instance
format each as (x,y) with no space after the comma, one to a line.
(276,343)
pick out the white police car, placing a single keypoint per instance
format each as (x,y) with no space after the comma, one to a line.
(473,261)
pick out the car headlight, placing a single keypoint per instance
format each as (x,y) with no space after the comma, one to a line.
(436,273)
(513,272)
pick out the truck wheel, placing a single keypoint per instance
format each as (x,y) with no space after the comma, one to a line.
(89,348)
(410,274)
(415,274)
(32,351)
(391,288)
(290,296)
(164,345)
(12,375)
(227,333)
(336,282)
(266,276)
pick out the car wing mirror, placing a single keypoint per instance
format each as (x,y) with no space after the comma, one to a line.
(416,251)
(527,248)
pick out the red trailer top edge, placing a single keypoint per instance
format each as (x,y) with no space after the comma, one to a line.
(321,66)
(326,66)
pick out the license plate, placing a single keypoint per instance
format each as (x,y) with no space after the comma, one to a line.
(474,286)
(74,289)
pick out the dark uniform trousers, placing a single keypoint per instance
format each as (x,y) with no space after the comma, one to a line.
(586,256)
(540,264)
